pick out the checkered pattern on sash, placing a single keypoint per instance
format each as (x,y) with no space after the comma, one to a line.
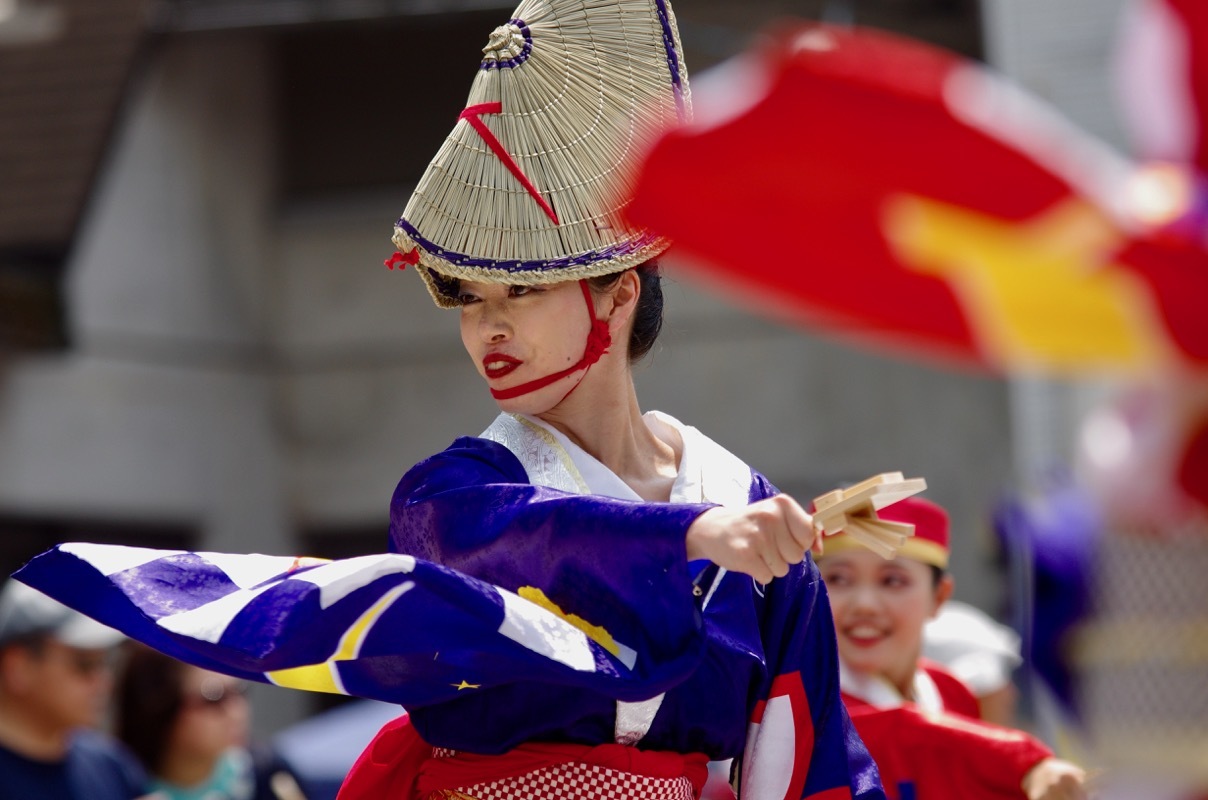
(570,781)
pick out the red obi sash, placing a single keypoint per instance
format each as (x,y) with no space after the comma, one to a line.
(399,765)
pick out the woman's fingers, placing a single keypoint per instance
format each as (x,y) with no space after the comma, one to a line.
(777,564)
(760,572)
(762,540)
(789,530)
(800,524)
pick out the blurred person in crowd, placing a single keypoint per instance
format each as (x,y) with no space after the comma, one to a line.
(921,724)
(981,652)
(55,686)
(190,729)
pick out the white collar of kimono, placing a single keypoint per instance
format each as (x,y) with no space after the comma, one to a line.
(880,693)
(707,472)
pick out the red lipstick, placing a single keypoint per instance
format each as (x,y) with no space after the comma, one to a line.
(497,365)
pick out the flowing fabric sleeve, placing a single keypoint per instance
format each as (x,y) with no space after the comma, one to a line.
(947,755)
(616,568)
(494,583)
(390,626)
(801,743)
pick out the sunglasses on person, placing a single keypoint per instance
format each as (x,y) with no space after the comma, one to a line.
(84,663)
(216,692)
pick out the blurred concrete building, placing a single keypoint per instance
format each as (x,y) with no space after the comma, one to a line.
(201,347)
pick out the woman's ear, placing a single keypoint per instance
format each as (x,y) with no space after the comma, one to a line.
(624,299)
(943,591)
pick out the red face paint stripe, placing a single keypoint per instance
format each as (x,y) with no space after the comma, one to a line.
(473,115)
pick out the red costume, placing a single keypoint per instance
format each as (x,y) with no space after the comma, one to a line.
(933,746)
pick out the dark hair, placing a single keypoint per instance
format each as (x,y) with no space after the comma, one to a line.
(937,575)
(648,316)
(149,698)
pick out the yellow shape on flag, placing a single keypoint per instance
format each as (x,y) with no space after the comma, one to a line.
(464,685)
(324,677)
(594,632)
(1038,293)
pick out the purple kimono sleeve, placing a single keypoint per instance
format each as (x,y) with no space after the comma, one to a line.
(799,716)
(619,566)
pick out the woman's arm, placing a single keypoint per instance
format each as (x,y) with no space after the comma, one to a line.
(801,743)
(619,568)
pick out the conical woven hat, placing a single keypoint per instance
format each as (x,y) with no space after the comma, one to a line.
(529,186)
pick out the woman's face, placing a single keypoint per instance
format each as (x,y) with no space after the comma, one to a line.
(518,334)
(214,714)
(880,608)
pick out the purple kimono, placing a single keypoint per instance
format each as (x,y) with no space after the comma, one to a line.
(530,596)
(749,667)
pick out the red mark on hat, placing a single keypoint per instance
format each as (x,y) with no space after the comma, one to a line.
(401,260)
(473,115)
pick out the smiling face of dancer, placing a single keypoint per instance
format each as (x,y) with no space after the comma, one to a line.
(880,608)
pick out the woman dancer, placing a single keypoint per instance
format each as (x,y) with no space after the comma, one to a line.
(588,601)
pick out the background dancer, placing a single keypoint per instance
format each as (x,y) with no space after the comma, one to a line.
(921,724)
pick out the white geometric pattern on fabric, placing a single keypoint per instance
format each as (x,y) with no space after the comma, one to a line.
(246,571)
(774,740)
(326,676)
(209,622)
(526,623)
(110,559)
(339,579)
(545,633)
(335,581)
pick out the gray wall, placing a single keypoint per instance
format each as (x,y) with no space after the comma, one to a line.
(1061,52)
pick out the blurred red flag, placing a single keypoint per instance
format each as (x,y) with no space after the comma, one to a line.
(886,189)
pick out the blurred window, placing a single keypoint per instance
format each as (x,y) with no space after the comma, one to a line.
(23,537)
(364,106)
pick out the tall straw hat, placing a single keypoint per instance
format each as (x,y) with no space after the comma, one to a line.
(529,186)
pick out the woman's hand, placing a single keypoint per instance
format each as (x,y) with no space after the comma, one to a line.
(760,540)
(1054,779)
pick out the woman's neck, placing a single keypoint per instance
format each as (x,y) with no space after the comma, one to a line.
(902,679)
(187,770)
(610,428)
(871,685)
